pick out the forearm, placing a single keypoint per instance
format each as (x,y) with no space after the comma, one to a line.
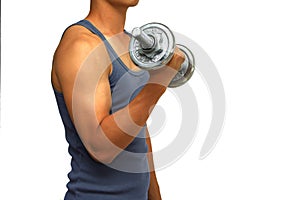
(119,129)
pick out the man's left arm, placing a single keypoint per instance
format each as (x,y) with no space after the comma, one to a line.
(153,192)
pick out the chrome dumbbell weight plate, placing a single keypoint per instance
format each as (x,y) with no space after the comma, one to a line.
(187,68)
(159,53)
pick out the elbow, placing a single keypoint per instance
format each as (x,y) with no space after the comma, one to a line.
(102,152)
(103,157)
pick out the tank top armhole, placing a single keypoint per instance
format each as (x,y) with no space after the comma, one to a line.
(111,75)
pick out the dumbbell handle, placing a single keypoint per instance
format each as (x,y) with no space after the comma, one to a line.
(146,41)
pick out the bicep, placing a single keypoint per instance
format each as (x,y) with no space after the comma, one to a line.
(83,76)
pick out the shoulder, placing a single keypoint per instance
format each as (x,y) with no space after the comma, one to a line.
(76,40)
(75,46)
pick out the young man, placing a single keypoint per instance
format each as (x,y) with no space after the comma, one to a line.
(104,101)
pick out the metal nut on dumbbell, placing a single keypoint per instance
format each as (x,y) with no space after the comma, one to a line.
(152,46)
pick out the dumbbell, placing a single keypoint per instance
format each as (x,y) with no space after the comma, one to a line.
(152,47)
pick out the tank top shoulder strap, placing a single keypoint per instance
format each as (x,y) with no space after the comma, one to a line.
(88,25)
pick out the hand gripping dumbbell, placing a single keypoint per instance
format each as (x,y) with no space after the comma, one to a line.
(152,47)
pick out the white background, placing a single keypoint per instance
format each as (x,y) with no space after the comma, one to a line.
(256,48)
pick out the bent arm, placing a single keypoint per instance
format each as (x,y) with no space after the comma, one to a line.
(83,70)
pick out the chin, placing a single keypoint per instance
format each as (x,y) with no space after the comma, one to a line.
(133,2)
(126,3)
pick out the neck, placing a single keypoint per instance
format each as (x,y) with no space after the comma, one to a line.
(108,18)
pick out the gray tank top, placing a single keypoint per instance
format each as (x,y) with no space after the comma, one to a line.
(127,176)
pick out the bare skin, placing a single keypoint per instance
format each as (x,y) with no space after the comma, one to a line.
(108,135)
